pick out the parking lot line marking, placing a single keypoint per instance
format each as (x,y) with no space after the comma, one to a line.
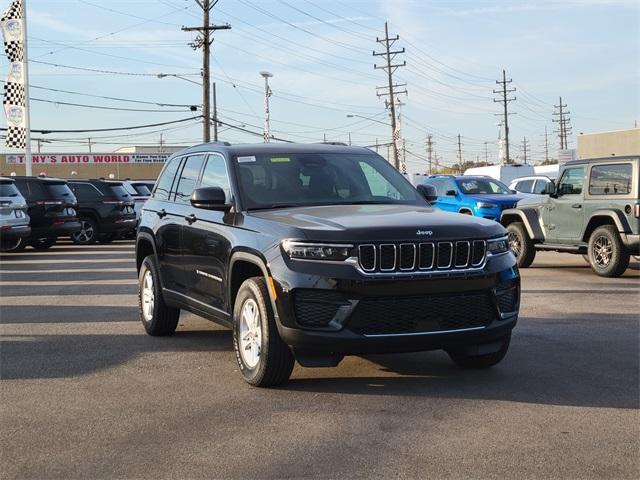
(70,270)
(60,283)
(117,300)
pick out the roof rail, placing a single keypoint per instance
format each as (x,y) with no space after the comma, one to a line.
(342,144)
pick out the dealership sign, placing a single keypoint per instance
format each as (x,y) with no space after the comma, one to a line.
(90,158)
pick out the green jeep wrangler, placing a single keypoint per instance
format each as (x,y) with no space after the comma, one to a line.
(592,209)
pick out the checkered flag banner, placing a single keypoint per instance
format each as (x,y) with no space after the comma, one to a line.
(15,101)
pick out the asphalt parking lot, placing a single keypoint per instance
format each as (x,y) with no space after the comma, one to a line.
(86,394)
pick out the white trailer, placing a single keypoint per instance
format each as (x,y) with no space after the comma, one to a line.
(503,173)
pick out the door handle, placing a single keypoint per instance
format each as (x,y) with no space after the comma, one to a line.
(190,218)
(576,205)
(162,213)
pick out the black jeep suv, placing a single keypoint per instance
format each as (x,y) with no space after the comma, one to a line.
(313,252)
(105,208)
(51,208)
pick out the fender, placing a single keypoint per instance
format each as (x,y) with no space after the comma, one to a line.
(528,216)
(617,216)
(258,260)
(148,236)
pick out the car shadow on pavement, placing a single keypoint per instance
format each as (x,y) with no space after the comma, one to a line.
(58,356)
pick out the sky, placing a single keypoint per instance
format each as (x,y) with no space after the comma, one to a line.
(320,53)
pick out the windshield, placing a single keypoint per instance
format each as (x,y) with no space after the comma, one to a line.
(281,180)
(8,190)
(483,186)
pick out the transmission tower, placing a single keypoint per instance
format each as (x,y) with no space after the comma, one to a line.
(391,90)
(504,92)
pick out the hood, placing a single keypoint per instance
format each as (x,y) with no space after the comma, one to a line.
(497,199)
(367,223)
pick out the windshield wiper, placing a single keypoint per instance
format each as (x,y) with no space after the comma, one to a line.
(274,206)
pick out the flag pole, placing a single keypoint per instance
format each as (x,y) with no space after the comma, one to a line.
(27,110)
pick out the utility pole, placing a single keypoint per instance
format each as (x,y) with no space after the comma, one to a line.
(349,138)
(459,154)
(430,152)
(204,40)
(524,149)
(267,94)
(486,153)
(563,124)
(504,92)
(89,142)
(546,146)
(161,144)
(215,113)
(390,90)
(403,157)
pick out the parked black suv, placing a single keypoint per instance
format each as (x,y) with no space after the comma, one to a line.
(105,209)
(313,252)
(52,209)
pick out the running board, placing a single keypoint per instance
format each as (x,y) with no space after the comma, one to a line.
(562,248)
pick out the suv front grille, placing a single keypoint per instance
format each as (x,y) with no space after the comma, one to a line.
(421,314)
(426,256)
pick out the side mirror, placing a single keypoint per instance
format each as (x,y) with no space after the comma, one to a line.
(450,193)
(428,192)
(514,191)
(210,198)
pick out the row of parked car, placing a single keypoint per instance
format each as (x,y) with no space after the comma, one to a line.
(36,211)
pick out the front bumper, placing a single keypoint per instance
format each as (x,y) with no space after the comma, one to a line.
(395,313)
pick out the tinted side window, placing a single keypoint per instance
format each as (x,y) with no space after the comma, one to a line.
(572,181)
(611,179)
(188,178)
(164,183)
(215,175)
(84,191)
(8,190)
(540,186)
(525,186)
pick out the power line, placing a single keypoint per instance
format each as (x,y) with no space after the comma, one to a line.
(112,129)
(112,72)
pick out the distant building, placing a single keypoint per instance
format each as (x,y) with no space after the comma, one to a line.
(606,144)
(150,149)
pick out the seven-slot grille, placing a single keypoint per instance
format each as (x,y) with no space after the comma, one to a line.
(425,256)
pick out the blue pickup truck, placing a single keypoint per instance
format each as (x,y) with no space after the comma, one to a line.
(473,195)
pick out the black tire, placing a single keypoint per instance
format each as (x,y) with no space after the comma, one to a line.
(88,234)
(465,360)
(160,319)
(274,358)
(20,246)
(607,254)
(521,245)
(43,243)
(107,238)
(466,212)
(8,246)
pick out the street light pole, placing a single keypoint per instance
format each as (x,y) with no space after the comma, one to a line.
(267,94)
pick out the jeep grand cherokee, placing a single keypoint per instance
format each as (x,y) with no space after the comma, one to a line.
(313,252)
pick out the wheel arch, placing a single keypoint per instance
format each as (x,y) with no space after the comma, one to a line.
(529,217)
(244,265)
(605,217)
(145,246)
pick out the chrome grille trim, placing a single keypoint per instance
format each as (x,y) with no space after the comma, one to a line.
(413,261)
(426,257)
(440,245)
(463,245)
(433,255)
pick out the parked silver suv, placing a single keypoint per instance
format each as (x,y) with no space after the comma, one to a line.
(14,221)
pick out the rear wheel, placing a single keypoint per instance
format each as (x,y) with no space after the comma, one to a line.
(607,254)
(157,318)
(10,245)
(264,359)
(521,245)
(43,243)
(88,233)
(465,359)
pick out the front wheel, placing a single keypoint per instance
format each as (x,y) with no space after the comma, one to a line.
(464,359)
(607,254)
(157,318)
(521,245)
(264,359)
(43,243)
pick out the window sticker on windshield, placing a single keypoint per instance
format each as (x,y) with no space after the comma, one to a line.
(246,159)
(469,185)
(280,160)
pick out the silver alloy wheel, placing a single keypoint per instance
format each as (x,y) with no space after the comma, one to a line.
(515,242)
(602,251)
(86,234)
(148,296)
(250,333)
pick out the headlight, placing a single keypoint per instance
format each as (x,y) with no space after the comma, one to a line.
(316,251)
(498,245)
(486,205)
